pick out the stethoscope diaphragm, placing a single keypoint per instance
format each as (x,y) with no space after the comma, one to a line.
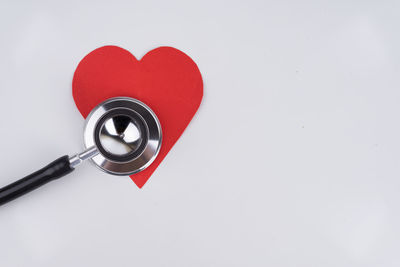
(126,134)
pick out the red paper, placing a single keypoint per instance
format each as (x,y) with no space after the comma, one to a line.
(165,79)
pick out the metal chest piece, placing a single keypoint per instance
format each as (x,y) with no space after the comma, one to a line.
(126,134)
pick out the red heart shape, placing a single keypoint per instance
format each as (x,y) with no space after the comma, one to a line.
(165,79)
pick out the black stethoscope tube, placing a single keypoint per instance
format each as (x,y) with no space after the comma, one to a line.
(54,170)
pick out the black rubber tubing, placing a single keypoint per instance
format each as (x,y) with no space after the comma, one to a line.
(54,170)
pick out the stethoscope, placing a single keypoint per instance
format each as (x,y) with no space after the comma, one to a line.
(122,136)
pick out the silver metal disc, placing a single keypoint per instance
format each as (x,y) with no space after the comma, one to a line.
(126,133)
(120,135)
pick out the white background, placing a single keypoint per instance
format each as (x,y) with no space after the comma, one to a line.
(292,159)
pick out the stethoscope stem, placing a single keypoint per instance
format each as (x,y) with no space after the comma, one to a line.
(81,157)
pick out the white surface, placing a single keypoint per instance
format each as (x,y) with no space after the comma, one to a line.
(292,159)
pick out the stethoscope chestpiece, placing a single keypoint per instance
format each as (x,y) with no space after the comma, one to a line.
(125,133)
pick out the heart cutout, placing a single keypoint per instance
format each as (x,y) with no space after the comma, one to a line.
(165,79)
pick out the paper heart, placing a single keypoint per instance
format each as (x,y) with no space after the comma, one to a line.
(165,79)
